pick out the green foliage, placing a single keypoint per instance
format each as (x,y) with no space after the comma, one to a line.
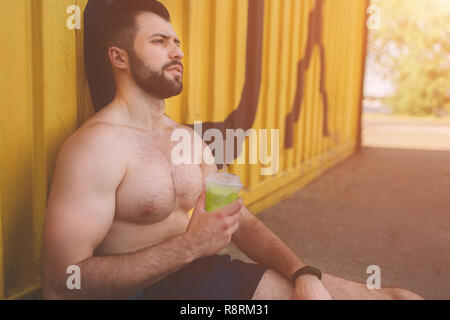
(412,48)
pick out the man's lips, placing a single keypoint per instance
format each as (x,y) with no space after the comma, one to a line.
(177,68)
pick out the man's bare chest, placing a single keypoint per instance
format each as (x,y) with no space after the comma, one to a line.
(154,186)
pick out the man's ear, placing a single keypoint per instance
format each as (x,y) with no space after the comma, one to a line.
(118,58)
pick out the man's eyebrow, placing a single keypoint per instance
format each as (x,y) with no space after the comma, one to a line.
(165,36)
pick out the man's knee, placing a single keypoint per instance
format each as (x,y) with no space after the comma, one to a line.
(273,286)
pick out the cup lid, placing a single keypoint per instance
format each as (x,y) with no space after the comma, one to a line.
(225,178)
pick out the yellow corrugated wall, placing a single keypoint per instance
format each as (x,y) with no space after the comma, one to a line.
(44,97)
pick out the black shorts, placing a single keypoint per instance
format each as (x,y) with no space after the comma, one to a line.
(215,277)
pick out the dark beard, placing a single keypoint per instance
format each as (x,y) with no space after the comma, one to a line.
(154,82)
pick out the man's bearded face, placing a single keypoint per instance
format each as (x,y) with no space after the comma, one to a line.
(159,83)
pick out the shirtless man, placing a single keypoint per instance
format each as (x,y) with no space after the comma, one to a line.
(118,205)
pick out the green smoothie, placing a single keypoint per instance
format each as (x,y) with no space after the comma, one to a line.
(221,189)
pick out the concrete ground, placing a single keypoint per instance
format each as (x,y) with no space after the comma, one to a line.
(406,133)
(386,206)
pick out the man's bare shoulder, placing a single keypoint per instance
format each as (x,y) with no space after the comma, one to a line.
(96,134)
(95,140)
(176,125)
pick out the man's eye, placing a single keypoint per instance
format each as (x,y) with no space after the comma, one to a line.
(159,41)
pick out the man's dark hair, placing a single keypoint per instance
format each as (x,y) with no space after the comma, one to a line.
(119,20)
(111,23)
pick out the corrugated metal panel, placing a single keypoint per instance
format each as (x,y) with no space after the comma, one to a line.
(320,40)
(17,261)
(303,58)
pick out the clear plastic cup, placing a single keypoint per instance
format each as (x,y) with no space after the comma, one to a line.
(222,188)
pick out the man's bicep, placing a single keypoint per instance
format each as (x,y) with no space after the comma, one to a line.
(81,203)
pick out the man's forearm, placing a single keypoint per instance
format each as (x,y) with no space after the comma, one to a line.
(264,247)
(121,276)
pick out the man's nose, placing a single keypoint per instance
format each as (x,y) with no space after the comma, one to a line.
(176,52)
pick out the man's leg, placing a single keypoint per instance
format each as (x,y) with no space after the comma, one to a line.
(273,286)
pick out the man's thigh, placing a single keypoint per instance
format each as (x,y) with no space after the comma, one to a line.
(274,286)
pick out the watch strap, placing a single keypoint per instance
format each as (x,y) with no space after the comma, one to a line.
(306,270)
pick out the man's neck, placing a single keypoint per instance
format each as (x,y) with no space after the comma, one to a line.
(144,111)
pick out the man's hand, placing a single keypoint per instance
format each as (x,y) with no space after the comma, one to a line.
(309,287)
(209,232)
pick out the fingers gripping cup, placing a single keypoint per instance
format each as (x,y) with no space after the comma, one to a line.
(222,188)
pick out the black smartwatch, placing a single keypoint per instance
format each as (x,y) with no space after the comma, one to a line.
(306,270)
